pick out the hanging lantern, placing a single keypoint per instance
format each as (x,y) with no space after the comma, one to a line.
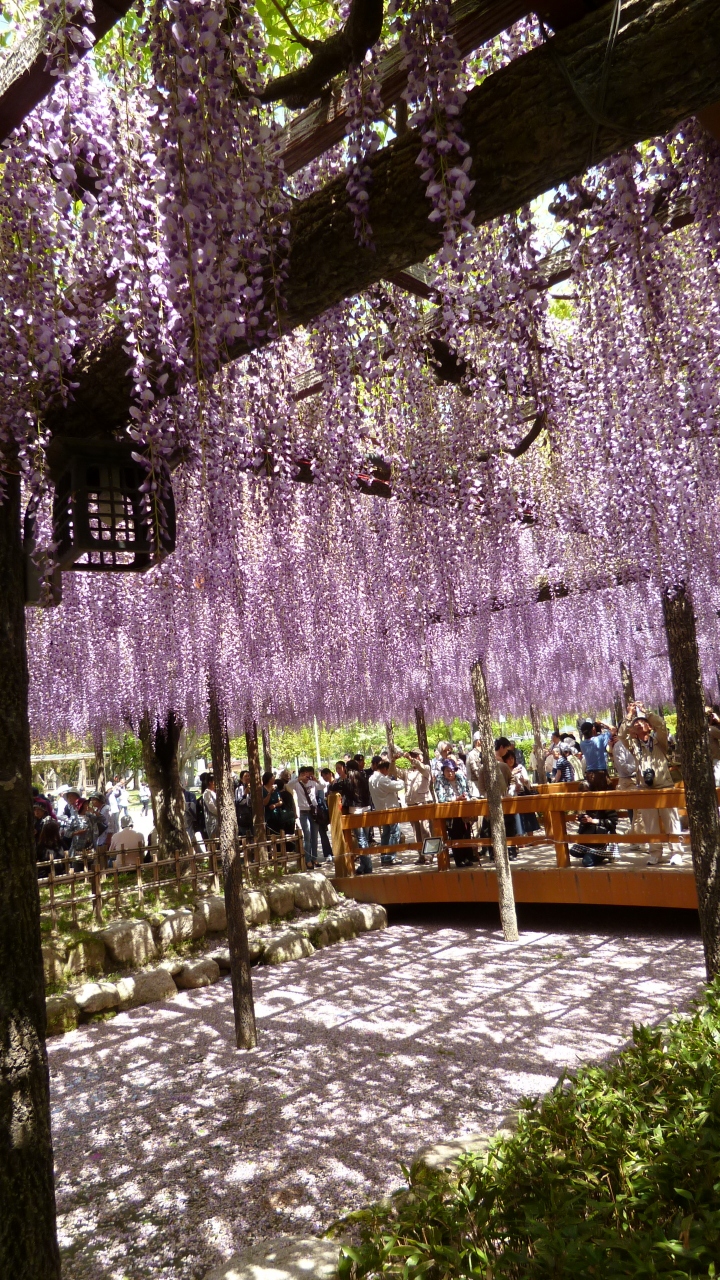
(102,520)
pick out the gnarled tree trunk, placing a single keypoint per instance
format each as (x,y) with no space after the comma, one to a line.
(267,751)
(628,684)
(537,743)
(697,769)
(28,1241)
(256,791)
(506,896)
(160,762)
(100,779)
(243,1005)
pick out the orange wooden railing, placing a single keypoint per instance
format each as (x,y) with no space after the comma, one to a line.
(554,805)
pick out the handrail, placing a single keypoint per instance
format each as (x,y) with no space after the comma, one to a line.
(553,805)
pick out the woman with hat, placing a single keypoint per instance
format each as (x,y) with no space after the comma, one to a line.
(449,786)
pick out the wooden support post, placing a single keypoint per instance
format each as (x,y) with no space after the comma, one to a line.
(267,753)
(340,839)
(506,896)
(700,794)
(28,1241)
(558,833)
(628,684)
(240,975)
(256,791)
(537,742)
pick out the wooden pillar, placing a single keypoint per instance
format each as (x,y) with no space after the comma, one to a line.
(700,793)
(341,840)
(267,753)
(628,685)
(506,896)
(28,1241)
(256,792)
(229,839)
(537,743)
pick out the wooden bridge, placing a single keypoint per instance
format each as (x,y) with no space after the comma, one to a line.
(544,872)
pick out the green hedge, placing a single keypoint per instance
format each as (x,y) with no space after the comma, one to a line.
(615,1173)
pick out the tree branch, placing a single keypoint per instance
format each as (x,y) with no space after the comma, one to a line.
(331,57)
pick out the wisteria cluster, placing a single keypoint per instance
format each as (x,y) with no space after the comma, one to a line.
(367,504)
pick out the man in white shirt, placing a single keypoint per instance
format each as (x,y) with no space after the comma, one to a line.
(385,794)
(128,846)
(303,789)
(626,770)
(418,790)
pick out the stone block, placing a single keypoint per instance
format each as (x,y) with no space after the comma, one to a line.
(54,955)
(197,973)
(221,958)
(445,1154)
(367,916)
(213,912)
(311,890)
(281,899)
(338,926)
(129,943)
(145,988)
(94,997)
(171,965)
(257,910)
(199,928)
(177,927)
(62,1014)
(289,945)
(282,1258)
(86,956)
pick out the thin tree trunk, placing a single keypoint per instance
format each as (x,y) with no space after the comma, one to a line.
(556,722)
(243,1005)
(256,791)
(422,738)
(100,779)
(28,1241)
(537,739)
(700,794)
(390,740)
(628,684)
(506,897)
(267,753)
(160,762)
(619,712)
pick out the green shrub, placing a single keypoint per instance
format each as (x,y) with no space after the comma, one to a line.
(615,1173)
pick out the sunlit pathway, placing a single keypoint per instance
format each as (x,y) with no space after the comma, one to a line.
(173,1149)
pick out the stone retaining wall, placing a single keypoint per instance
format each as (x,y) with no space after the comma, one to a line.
(286,921)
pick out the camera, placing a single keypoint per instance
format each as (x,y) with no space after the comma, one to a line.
(649,777)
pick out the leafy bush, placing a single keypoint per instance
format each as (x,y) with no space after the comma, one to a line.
(615,1173)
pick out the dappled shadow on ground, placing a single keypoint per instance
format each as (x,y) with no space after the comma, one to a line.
(173,1149)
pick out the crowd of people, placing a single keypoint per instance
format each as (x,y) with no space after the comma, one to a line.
(638,754)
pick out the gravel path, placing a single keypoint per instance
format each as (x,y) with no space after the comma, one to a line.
(173,1149)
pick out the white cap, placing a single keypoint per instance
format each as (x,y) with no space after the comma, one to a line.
(63,790)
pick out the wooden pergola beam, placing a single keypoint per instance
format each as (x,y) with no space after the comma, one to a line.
(528,131)
(24,82)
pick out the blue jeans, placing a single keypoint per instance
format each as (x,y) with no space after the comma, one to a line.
(364,866)
(390,834)
(310,835)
